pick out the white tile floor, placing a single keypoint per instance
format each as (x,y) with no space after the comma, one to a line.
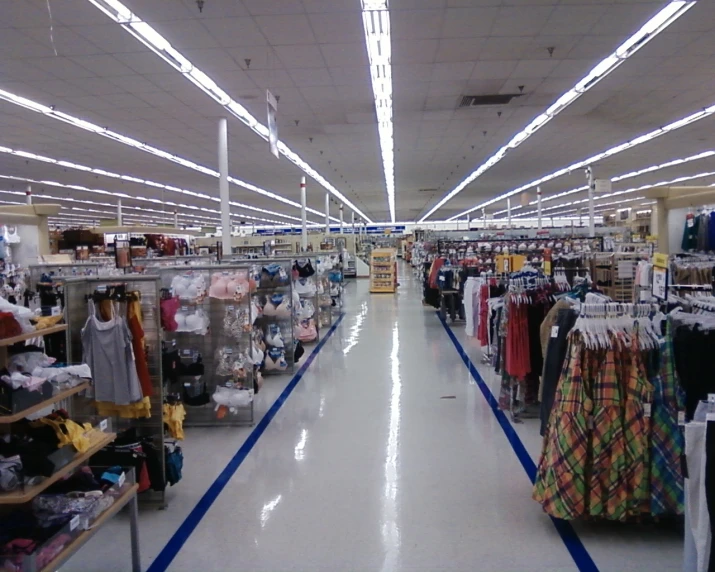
(367,467)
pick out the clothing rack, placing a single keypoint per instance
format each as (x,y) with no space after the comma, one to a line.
(97,288)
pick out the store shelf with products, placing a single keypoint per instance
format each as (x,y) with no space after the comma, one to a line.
(207,317)
(383,270)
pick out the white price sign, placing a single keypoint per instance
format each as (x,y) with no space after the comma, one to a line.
(660,283)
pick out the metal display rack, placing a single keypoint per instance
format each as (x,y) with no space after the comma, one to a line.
(225,353)
(81,528)
(263,293)
(76,312)
(62,271)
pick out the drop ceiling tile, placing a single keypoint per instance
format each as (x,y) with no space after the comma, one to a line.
(103,65)
(574,19)
(417,24)
(575,69)
(345,55)
(233,32)
(535,68)
(350,76)
(134,84)
(307,56)
(468,22)
(325,6)
(144,63)
(186,34)
(483,86)
(521,20)
(271,79)
(446,88)
(459,50)
(60,88)
(22,70)
(412,72)
(212,60)
(310,77)
(452,71)
(273,7)
(17,44)
(161,10)
(337,28)
(286,30)
(494,69)
(625,19)
(65,41)
(506,48)
(62,68)
(409,52)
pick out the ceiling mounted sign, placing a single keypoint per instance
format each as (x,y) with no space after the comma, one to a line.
(525,199)
(272,107)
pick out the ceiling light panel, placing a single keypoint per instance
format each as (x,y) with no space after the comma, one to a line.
(692,118)
(666,16)
(129,178)
(148,36)
(50,112)
(376,23)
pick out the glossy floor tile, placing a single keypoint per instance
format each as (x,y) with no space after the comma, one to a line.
(386,456)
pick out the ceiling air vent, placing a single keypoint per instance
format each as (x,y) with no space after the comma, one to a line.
(483,100)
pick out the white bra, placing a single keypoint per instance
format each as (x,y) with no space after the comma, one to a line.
(282,310)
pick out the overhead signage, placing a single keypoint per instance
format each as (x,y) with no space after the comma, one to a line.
(272,111)
(602,186)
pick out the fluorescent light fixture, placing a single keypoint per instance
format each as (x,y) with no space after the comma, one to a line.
(376,23)
(591,160)
(86,125)
(130,178)
(146,34)
(652,28)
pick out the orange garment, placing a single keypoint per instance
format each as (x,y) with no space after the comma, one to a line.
(134,321)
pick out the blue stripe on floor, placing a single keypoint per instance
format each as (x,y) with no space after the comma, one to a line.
(573,543)
(169,552)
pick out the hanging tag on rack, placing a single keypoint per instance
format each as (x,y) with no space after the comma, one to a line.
(691,222)
(710,417)
(101,289)
(186,352)
(647,410)
(711,398)
(184,308)
(121,479)
(103,425)
(681,418)
(74,523)
(554,331)
(231,308)
(56,310)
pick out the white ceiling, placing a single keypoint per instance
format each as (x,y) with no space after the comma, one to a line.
(311,54)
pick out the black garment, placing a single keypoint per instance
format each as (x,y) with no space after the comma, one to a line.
(710,483)
(304,267)
(553,363)
(693,350)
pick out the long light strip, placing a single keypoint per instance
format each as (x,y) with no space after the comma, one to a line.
(697,116)
(191,217)
(86,125)
(669,14)
(376,23)
(66,164)
(152,39)
(627,191)
(632,174)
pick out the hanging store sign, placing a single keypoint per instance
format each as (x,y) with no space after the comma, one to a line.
(660,276)
(602,186)
(272,110)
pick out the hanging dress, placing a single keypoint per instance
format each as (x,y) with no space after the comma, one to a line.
(561,485)
(636,427)
(107,349)
(607,493)
(667,439)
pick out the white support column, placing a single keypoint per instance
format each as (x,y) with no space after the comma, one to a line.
(28,194)
(176,219)
(538,207)
(327,213)
(341,219)
(663,230)
(591,211)
(223,186)
(119,212)
(469,221)
(303,217)
(508,211)
(484,218)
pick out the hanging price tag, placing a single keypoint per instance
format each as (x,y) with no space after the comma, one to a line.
(710,417)
(231,308)
(56,310)
(554,331)
(646,410)
(184,308)
(691,222)
(681,418)
(103,425)
(74,523)
(121,479)
(711,397)
(186,352)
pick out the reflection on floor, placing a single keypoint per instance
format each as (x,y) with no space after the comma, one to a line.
(385,457)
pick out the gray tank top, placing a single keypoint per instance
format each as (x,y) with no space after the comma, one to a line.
(107,350)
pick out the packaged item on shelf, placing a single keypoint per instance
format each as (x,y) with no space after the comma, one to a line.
(305,331)
(189,286)
(275,360)
(303,267)
(273,276)
(278,306)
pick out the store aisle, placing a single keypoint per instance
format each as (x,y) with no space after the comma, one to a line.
(385,457)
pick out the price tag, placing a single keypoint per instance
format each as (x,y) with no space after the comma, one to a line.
(681,418)
(186,352)
(710,417)
(101,289)
(711,397)
(441,278)
(74,523)
(229,351)
(231,308)
(691,222)
(56,310)
(121,479)
(103,425)
(187,384)
(646,410)
(554,331)
(184,308)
